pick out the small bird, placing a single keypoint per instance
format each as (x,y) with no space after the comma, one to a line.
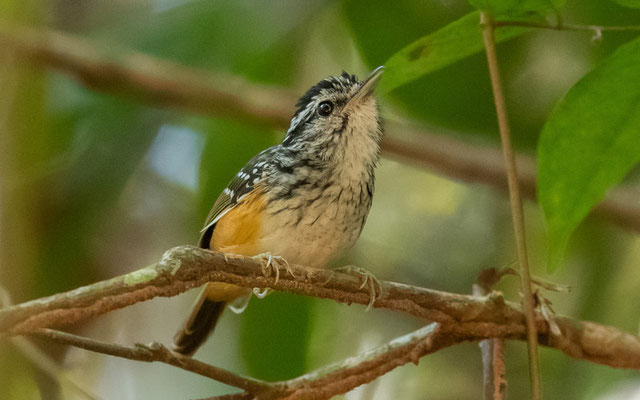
(305,200)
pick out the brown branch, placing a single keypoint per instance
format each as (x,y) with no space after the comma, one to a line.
(517,213)
(323,383)
(346,375)
(186,267)
(493,365)
(154,352)
(164,83)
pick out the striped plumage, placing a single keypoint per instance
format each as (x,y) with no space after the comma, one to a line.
(305,199)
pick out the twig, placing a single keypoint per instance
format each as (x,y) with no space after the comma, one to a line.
(186,267)
(515,201)
(164,83)
(493,365)
(323,383)
(567,27)
(152,353)
(346,375)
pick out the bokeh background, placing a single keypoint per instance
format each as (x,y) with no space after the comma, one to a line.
(94,185)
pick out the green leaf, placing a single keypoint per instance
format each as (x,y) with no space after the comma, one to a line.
(517,8)
(629,3)
(589,143)
(446,46)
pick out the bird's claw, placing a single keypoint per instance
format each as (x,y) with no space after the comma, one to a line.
(271,265)
(368,280)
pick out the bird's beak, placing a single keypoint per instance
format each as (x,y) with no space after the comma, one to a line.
(367,88)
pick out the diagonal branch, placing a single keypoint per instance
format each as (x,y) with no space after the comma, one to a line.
(346,375)
(186,267)
(165,83)
(154,352)
(323,383)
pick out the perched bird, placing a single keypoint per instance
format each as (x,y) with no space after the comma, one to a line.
(305,200)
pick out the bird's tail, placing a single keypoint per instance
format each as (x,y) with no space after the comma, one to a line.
(197,328)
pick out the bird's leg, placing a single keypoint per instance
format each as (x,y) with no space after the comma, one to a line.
(368,279)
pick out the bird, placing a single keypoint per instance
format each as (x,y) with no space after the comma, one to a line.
(304,200)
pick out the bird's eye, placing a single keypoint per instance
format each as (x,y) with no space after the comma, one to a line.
(325,108)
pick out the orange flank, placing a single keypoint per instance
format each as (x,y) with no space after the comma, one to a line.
(237,232)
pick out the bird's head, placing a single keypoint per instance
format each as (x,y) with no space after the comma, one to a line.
(337,117)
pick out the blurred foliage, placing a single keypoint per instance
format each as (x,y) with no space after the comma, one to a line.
(589,143)
(518,8)
(85,193)
(435,51)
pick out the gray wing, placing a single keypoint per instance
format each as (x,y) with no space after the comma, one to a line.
(241,185)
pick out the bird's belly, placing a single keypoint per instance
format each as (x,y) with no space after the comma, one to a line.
(311,235)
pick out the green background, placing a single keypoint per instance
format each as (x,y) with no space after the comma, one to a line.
(95,185)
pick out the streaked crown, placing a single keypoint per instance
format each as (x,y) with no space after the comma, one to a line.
(334,107)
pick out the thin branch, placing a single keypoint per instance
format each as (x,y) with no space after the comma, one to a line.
(515,200)
(567,27)
(154,352)
(323,383)
(164,83)
(493,365)
(346,375)
(186,267)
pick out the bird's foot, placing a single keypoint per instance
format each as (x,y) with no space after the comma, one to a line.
(271,266)
(368,279)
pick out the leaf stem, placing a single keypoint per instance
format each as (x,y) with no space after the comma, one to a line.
(515,200)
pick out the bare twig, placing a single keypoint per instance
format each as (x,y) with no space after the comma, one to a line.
(186,267)
(164,83)
(346,375)
(567,27)
(151,353)
(515,200)
(493,365)
(323,383)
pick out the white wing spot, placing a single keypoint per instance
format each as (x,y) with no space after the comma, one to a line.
(256,180)
(255,171)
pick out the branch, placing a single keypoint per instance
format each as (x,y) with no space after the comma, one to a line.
(567,27)
(154,352)
(164,83)
(186,267)
(493,366)
(517,213)
(323,383)
(346,375)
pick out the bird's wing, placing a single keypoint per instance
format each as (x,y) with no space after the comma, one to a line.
(240,186)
